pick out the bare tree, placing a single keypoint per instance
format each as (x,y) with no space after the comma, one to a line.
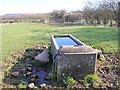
(57,13)
(110,7)
(73,17)
(105,11)
(91,13)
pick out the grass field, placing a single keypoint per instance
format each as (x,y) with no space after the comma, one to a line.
(22,35)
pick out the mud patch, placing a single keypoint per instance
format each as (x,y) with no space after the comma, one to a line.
(22,68)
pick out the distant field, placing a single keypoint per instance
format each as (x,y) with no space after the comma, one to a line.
(22,35)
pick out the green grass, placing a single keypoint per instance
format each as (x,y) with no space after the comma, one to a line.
(93,79)
(22,35)
(68,80)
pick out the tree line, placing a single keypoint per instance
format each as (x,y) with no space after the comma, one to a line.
(97,13)
(104,11)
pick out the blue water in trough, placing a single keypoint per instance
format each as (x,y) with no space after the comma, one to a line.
(65,41)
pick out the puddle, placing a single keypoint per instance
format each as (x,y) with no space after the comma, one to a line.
(42,73)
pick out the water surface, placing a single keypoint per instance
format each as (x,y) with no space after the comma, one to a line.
(65,41)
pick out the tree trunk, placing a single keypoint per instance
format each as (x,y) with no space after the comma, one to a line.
(105,22)
(98,21)
(86,20)
(111,23)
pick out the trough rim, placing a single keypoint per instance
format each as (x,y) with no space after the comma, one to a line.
(69,35)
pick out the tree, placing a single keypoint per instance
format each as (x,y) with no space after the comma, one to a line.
(57,13)
(118,15)
(105,10)
(110,7)
(90,13)
(72,17)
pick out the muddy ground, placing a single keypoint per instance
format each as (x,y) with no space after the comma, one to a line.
(21,70)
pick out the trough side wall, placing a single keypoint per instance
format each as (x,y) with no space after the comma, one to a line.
(76,65)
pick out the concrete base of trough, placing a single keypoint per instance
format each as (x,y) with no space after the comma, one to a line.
(76,62)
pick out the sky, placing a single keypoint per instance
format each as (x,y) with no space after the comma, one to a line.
(39,6)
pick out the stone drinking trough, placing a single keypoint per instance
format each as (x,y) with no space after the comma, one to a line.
(72,57)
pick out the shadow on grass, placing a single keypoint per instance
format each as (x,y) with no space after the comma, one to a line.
(26,69)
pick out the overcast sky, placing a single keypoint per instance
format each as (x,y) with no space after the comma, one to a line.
(39,6)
